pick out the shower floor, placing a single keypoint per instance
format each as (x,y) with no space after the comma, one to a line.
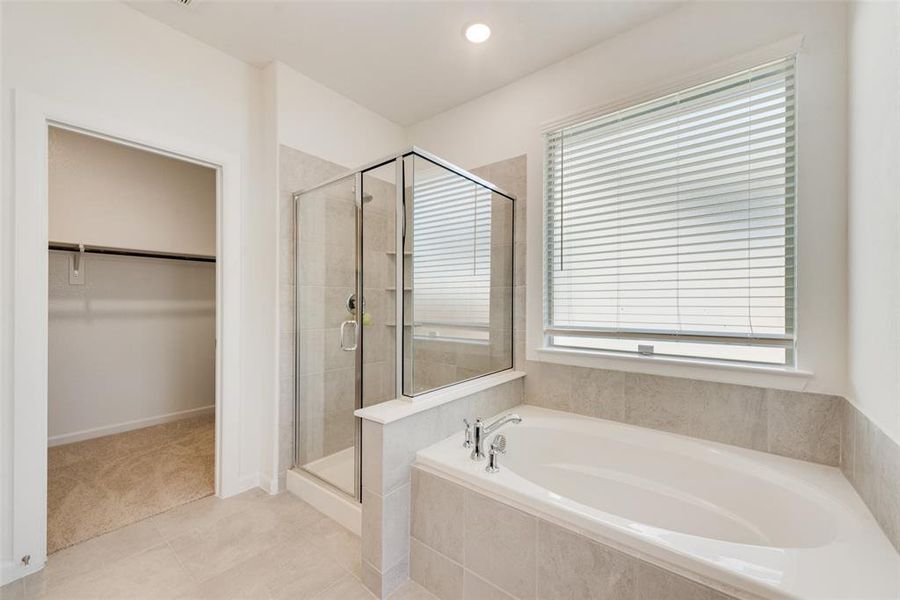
(337,469)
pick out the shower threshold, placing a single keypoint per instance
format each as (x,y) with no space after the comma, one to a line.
(336,469)
(325,498)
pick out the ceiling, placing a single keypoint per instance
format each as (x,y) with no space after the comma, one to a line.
(404,60)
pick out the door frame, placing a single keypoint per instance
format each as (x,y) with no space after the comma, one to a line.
(32,117)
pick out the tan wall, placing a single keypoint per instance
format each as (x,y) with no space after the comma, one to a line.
(108,194)
(136,342)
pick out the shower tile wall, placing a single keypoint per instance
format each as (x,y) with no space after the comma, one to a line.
(297,171)
(379,277)
(510,175)
(327,374)
(326,279)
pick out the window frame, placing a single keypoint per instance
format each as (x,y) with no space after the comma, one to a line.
(577,355)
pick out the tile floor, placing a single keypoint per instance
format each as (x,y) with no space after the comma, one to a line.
(251,546)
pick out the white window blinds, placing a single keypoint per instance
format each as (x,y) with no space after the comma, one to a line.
(452,257)
(672,223)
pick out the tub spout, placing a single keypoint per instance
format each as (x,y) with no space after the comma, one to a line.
(482,431)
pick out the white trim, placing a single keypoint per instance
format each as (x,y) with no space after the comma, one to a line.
(339,508)
(785,378)
(400,408)
(95,432)
(742,62)
(32,115)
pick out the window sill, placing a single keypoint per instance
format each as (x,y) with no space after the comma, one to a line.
(787,378)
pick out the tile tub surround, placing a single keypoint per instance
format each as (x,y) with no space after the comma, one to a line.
(467,546)
(743,522)
(871,462)
(388,453)
(794,424)
(812,427)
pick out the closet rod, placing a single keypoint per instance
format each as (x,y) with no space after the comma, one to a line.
(125,252)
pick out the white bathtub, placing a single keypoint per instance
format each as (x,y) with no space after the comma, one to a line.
(748,523)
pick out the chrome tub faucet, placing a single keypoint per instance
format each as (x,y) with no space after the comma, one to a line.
(481,431)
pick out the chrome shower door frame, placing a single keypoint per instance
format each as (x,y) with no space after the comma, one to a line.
(399,159)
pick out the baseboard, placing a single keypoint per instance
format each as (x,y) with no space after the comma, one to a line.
(247,483)
(12,571)
(272,484)
(87,434)
(342,509)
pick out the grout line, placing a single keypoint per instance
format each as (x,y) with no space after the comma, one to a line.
(465,524)
(537,549)
(180,562)
(489,584)
(439,553)
(335,584)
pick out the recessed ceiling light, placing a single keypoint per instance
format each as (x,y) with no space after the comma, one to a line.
(477,33)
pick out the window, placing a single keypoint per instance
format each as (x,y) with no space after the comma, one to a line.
(452,259)
(670,224)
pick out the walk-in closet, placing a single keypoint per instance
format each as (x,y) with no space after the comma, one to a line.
(132,335)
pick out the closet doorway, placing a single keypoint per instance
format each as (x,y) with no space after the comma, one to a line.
(131,335)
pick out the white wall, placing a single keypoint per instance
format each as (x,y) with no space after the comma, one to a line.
(133,345)
(676,46)
(114,61)
(874,213)
(109,59)
(108,194)
(321,122)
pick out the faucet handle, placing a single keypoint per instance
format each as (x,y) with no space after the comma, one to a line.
(498,447)
(468,442)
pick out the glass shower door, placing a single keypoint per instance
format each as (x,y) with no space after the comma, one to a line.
(380,288)
(328,332)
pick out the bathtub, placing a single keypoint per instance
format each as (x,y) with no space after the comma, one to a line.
(748,523)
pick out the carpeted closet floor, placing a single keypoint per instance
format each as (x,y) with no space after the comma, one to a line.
(105,483)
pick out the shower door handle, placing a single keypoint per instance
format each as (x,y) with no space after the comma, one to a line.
(344,347)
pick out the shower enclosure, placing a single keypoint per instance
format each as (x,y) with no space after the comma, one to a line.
(404,286)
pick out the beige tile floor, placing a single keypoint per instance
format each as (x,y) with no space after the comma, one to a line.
(252,546)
